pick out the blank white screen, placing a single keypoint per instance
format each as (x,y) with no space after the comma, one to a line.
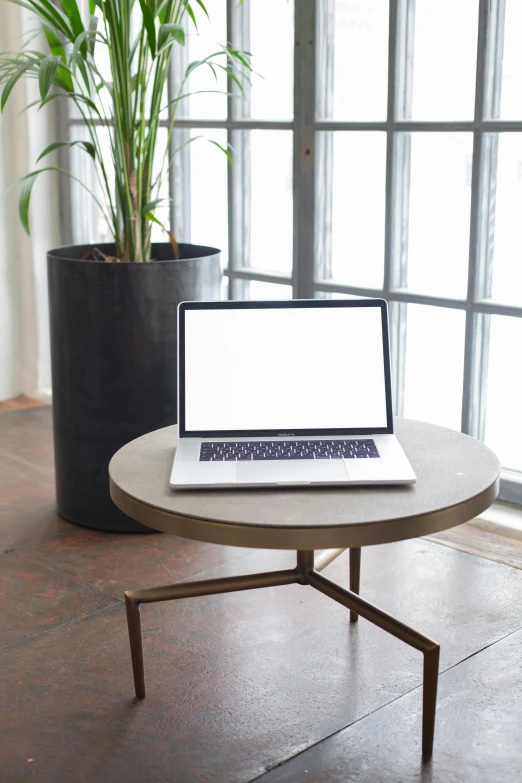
(284,369)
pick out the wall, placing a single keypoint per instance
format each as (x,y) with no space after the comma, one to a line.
(24,342)
(11,349)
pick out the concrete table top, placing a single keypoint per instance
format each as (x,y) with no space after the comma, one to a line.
(457,479)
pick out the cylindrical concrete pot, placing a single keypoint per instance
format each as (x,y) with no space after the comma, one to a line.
(113,355)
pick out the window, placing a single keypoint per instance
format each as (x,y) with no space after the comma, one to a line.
(388,162)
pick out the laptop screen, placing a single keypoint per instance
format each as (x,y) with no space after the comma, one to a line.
(284,368)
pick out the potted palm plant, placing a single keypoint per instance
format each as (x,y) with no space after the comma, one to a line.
(113,306)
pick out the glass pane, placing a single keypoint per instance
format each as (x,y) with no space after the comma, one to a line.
(271,204)
(103,62)
(444,64)
(336,295)
(88,221)
(354,85)
(506,223)
(89,224)
(102,59)
(350,208)
(268,291)
(434,365)
(225,287)
(504,391)
(208,192)
(272,47)
(210,35)
(162,211)
(347,296)
(439,213)
(511,95)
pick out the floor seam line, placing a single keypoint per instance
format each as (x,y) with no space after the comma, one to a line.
(482,649)
(68,576)
(185,579)
(377,709)
(57,627)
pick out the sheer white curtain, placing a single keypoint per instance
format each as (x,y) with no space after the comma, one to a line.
(24,340)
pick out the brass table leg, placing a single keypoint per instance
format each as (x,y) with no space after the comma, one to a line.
(327,556)
(428,647)
(355,577)
(136,645)
(150,595)
(305,574)
(429,698)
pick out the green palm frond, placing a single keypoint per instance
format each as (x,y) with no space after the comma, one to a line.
(125,106)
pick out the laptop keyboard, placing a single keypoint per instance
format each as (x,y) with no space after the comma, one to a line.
(291,449)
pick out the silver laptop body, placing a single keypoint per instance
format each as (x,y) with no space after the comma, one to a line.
(285,393)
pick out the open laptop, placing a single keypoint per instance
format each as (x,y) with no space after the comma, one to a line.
(285,393)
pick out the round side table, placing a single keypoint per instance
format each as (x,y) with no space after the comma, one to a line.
(457,478)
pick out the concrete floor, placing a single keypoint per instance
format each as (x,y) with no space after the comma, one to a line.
(272,684)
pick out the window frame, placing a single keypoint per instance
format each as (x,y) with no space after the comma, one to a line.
(311,171)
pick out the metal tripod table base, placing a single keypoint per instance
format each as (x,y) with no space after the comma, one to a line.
(306,573)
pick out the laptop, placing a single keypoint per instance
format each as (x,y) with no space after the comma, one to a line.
(285,393)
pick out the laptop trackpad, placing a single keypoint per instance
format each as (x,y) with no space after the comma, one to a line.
(289,472)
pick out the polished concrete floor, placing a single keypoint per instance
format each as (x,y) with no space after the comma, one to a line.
(272,684)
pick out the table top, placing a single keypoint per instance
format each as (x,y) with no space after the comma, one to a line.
(457,479)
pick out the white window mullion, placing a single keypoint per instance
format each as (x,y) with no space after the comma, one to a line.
(324,140)
(64,181)
(239,174)
(180,184)
(398,159)
(483,193)
(304,149)
(179,149)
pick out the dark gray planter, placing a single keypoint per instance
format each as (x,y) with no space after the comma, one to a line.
(113,355)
